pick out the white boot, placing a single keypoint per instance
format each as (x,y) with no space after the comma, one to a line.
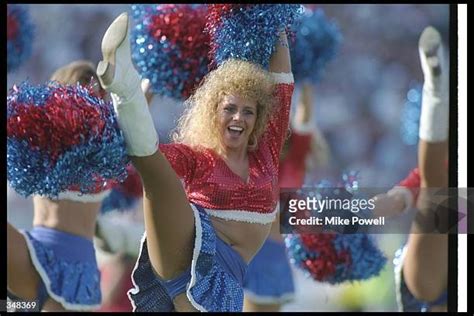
(434,120)
(118,76)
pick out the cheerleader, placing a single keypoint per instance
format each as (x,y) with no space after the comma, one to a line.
(422,264)
(211,196)
(421,269)
(55,263)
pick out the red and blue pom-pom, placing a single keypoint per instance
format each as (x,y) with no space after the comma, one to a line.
(20,33)
(124,196)
(61,137)
(335,257)
(317,42)
(170,48)
(247,31)
(410,116)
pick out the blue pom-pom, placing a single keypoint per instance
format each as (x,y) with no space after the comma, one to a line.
(20,34)
(410,116)
(248,32)
(117,200)
(62,137)
(317,42)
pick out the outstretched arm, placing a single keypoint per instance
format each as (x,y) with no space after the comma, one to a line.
(280,60)
(280,68)
(400,198)
(389,205)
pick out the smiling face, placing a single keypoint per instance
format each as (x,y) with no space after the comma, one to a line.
(205,123)
(236,117)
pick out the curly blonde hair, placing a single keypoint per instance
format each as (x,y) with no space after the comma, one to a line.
(198,128)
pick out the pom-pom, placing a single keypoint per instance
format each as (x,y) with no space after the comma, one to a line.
(169,47)
(118,201)
(333,257)
(20,33)
(317,42)
(62,137)
(410,117)
(248,32)
(124,196)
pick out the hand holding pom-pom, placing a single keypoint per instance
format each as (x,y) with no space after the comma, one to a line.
(247,32)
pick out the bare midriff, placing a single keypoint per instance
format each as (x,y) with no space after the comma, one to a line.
(245,238)
(71,217)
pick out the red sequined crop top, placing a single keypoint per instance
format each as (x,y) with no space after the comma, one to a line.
(210,183)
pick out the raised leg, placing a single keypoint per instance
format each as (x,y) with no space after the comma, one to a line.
(425,267)
(169,219)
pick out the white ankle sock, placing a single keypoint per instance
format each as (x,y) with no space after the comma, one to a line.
(434,120)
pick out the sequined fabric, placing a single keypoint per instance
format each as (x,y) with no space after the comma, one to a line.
(269,278)
(209,182)
(212,286)
(149,294)
(67,265)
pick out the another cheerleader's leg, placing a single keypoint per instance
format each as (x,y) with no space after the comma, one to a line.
(406,301)
(435,97)
(22,278)
(425,267)
(169,220)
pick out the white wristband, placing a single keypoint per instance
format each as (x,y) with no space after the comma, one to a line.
(283,77)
